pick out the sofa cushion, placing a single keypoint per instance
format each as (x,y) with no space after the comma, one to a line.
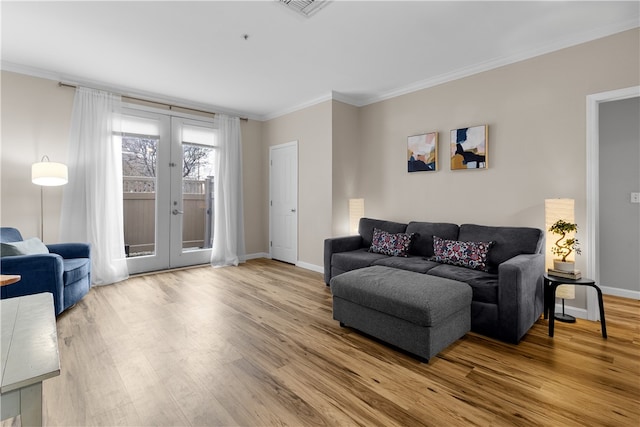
(417,298)
(75,269)
(422,244)
(483,284)
(508,241)
(31,246)
(465,254)
(366,226)
(392,244)
(347,261)
(411,263)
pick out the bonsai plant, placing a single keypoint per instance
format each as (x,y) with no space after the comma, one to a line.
(564,246)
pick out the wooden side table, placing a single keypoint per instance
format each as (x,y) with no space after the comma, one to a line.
(8,279)
(551,283)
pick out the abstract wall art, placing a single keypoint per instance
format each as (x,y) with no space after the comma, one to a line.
(422,152)
(469,147)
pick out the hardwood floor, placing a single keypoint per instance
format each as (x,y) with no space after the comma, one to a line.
(256,345)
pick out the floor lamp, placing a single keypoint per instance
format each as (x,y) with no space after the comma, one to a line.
(47,174)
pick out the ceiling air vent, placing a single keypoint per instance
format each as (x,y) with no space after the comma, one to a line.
(304,7)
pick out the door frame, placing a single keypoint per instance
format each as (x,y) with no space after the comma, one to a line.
(593,187)
(271,150)
(163,258)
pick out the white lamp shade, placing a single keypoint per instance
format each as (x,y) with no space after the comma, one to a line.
(356,211)
(566,292)
(555,209)
(49,174)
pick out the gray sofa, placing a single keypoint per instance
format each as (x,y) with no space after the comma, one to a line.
(507,299)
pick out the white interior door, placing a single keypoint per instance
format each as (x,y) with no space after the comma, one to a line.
(283,203)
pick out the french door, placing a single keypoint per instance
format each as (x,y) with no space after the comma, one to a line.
(168,165)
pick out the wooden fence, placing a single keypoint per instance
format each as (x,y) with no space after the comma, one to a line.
(139,205)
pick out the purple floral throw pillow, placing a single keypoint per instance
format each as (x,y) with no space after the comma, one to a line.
(390,244)
(465,254)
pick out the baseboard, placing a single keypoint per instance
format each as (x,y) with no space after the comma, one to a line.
(311,267)
(576,312)
(301,264)
(617,292)
(256,255)
(580,313)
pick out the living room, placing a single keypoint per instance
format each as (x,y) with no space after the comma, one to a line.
(535,107)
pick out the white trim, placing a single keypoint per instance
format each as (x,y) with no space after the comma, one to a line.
(309,266)
(256,255)
(358,101)
(579,313)
(491,64)
(593,184)
(300,264)
(361,101)
(122,90)
(618,292)
(301,106)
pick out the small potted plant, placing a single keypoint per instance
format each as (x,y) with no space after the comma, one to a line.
(564,246)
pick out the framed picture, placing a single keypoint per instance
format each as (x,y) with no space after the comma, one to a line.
(469,147)
(422,152)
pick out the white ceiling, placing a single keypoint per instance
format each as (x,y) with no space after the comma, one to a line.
(356,51)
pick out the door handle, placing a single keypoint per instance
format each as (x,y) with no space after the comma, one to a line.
(293,210)
(177,212)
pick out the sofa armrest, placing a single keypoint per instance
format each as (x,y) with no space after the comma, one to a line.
(335,245)
(520,295)
(71,250)
(39,273)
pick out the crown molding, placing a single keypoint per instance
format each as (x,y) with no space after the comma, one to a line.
(121,90)
(364,100)
(355,100)
(585,37)
(302,106)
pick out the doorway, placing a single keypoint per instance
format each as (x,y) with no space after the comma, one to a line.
(593,186)
(283,202)
(168,195)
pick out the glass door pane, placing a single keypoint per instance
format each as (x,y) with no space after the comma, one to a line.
(145,144)
(192,198)
(139,156)
(197,196)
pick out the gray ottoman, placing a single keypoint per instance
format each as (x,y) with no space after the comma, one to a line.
(416,312)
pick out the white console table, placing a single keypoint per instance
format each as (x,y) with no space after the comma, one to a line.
(29,355)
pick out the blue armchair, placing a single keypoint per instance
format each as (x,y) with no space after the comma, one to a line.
(65,271)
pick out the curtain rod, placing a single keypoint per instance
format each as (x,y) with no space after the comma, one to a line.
(171,106)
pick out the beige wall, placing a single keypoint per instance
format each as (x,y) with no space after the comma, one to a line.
(536,112)
(36,118)
(311,127)
(345,164)
(254,166)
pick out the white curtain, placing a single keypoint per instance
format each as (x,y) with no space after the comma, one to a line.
(92,201)
(228,218)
